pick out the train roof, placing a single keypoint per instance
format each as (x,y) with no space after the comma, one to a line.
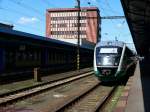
(110,43)
(18,35)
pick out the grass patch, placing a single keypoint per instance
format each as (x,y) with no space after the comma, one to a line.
(113,101)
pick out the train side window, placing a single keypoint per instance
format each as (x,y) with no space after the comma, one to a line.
(19,56)
(7,54)
(27,55)
(56,58)
(51,58)
(38,56)
(30,56)
(24,56)
(35,56)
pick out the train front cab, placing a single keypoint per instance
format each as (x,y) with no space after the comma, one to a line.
(108,63)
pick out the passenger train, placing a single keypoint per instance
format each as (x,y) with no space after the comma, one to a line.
(20,51)
(112,60)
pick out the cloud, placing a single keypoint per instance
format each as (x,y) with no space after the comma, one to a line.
(27,20)
(119,25)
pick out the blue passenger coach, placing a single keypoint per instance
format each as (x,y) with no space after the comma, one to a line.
(21,51)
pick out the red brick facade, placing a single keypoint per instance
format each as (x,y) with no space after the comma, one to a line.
(62,23)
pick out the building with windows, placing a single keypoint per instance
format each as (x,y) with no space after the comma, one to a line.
(62,24)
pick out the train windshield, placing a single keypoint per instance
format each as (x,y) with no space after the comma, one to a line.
(108,56)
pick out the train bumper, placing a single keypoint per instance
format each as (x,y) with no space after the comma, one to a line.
(112,77)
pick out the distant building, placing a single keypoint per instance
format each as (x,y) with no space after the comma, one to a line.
(6,26)
(62,24)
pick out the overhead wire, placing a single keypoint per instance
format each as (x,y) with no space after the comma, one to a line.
(107,4)
(111,9)
(48,3)
(31,27)
(105,33)
(104,11)
(14,23)
(21,4)
(19,13)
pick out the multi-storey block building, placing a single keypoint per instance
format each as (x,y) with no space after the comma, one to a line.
(62,23)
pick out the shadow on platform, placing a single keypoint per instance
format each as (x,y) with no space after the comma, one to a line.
(145,81)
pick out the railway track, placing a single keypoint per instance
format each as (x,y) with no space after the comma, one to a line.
(90,101)
(46,80)
(21,94)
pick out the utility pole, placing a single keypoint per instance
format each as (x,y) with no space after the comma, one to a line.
(78,32)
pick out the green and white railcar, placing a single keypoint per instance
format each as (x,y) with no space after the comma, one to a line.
(111,60)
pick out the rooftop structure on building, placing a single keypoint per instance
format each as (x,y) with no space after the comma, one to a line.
(62,24)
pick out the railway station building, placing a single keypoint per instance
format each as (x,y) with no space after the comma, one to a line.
(62,24)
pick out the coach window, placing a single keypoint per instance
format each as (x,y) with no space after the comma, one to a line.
(49,57)
(28,55)
(7,54)
(35,55)
(60,57)
(24,56)
(19,56)
(31,56)
(12,57)
(39,55)
(54,58)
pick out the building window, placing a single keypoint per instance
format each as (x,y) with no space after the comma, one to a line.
(80,24)
(53,25)
(62,25)
(68,18)
(67,33)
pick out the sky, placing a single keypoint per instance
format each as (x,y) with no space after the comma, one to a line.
(29,16)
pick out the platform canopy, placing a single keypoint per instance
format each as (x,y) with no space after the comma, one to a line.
(137,13)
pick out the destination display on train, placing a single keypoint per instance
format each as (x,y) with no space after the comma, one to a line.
(108,50)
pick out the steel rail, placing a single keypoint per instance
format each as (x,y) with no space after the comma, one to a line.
(95,107)
(40,88)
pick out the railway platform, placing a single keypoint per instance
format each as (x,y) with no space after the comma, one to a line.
(135,97)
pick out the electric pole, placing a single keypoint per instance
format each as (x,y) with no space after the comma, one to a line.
(78,32)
